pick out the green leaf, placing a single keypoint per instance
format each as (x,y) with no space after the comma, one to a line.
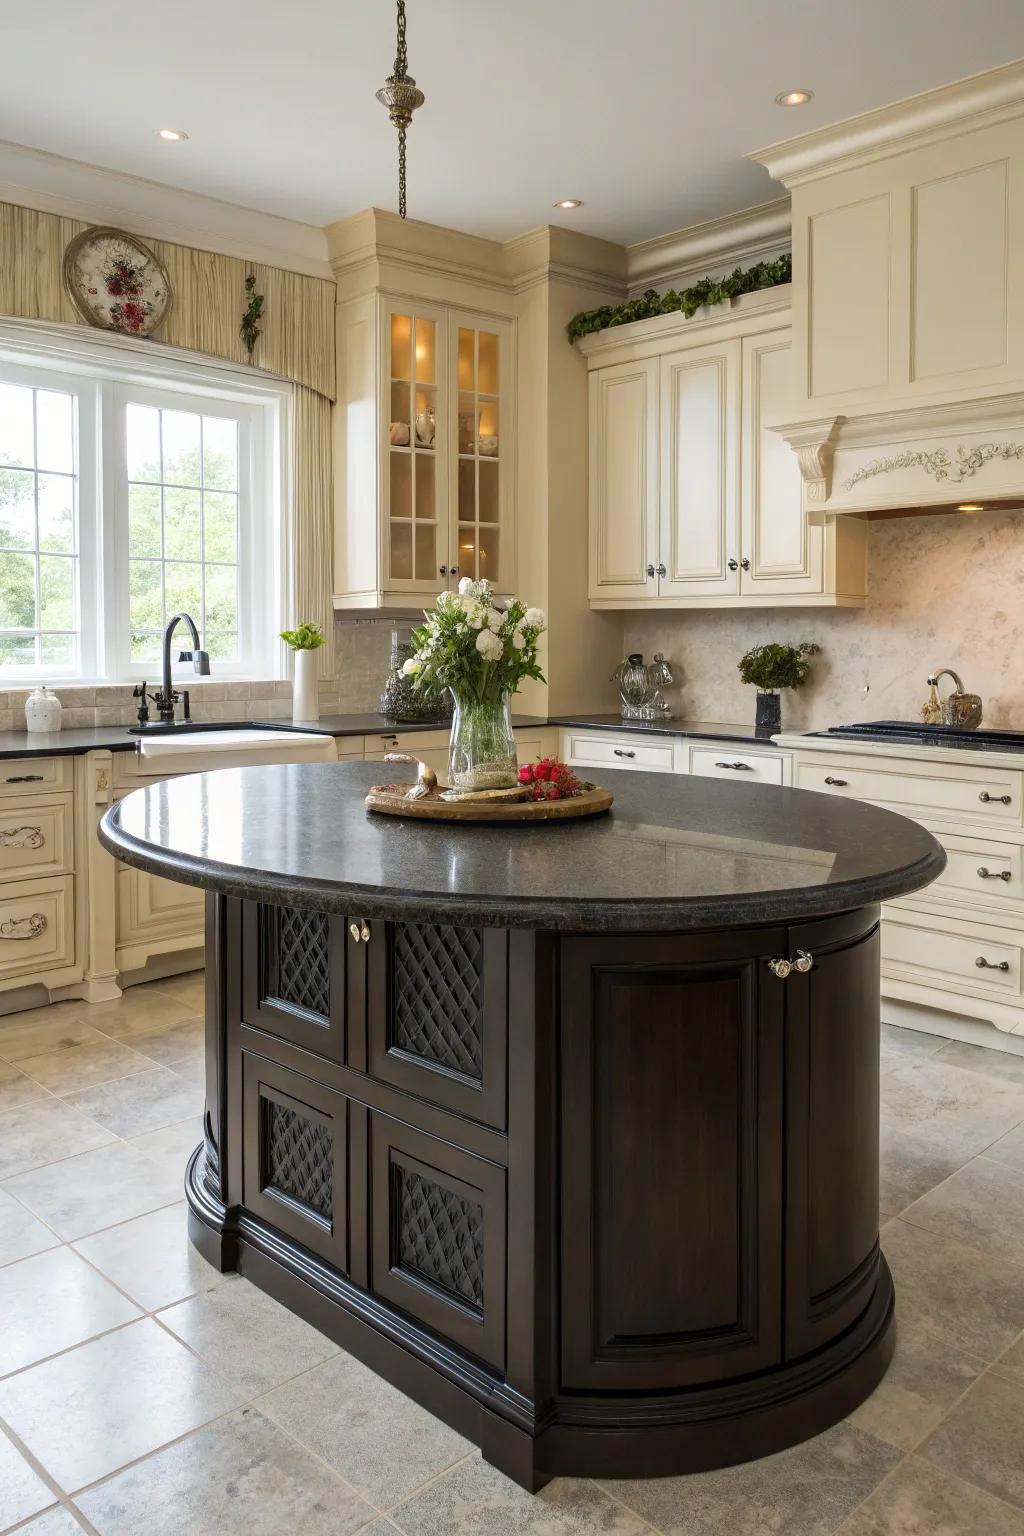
(308,637)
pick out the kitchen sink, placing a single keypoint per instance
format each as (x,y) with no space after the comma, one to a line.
(200,751)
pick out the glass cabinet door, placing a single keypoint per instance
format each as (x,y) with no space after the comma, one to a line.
(482,536)
(416,547)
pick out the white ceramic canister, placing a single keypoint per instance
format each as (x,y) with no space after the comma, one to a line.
(305,705)
(42,710)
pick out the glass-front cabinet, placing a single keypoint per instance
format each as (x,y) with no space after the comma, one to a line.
(445,483)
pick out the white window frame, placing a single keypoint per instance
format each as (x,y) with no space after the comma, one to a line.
(104,369)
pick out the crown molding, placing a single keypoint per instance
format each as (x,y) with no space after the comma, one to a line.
(735,239)
(929,118)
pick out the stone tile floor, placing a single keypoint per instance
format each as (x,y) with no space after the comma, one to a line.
(140,1391)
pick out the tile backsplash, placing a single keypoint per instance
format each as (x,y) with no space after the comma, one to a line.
(942,591)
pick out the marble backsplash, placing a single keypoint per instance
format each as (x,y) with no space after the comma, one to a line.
(942,591)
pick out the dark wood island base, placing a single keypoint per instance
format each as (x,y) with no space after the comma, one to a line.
(608,1205)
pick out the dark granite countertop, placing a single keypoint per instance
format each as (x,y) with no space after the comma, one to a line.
(673,853)
(698,730)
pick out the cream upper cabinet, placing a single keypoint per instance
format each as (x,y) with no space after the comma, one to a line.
(425,437)
(624,481)
(700,418)
(695,501)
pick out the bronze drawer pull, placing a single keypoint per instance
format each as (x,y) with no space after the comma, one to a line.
(991,965)
(987,799)
(23,927)
(621,752)
(22,837)
(994,874)
(739,767)
(25,778)
(839,783)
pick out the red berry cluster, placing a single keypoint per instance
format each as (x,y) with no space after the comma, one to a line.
(550,780)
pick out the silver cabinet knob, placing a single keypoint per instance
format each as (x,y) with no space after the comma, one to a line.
(650,572)
(991,965)
(360,931)
(621,752)
(745,563)
(994,874)
(662,570)
(987,799)
(783,968)
(837,783)
(737,767)
(733,565)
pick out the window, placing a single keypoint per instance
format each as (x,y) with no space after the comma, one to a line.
(126,500)
(39,579)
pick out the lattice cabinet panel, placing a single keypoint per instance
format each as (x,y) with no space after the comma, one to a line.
(437,995)
(293,979)
(296,958)
(438,1014)
(298,1155)
(294,1156)
(440,1236)
(437,1235)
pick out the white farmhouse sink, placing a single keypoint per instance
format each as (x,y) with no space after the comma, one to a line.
(203,751)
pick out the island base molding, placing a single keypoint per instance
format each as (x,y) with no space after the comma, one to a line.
(605,1203)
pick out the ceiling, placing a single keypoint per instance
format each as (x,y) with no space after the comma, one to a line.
(642,108)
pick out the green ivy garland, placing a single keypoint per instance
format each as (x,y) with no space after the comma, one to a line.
(249,330)
(709,290)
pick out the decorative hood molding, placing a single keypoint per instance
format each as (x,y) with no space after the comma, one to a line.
(926,456)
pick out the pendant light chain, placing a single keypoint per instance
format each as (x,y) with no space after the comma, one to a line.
(401,97)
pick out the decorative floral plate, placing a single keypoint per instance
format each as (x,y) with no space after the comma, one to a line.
(117,283)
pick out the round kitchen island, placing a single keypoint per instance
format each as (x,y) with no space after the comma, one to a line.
(569,1131)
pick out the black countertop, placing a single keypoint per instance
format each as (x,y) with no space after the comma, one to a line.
(697,730)
(673,853)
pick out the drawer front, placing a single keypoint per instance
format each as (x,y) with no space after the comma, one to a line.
(979,869)
(37,926)
(402,741)
(36,775)
(989,795)
(619,752)
(437,1236)
(725,762)
(36,838)
(951,955)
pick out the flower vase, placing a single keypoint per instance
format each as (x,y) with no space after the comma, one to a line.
(305,704)
(482,751)
(768,719)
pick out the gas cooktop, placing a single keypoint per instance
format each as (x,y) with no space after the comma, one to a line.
(913,733)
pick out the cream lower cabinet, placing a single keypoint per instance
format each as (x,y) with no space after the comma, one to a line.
(958,944)
(695,501)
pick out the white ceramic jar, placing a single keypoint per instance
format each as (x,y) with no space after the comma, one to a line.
(42,710)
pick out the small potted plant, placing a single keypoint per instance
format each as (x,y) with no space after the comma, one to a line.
(769,668)
(304,642)
(481,653)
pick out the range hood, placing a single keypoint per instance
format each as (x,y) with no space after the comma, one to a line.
(908,309)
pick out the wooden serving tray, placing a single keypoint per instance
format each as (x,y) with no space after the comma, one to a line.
(392,800)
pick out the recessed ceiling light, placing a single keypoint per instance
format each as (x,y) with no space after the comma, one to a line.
(794,98)
(970,506)
(171,135)
(568,202)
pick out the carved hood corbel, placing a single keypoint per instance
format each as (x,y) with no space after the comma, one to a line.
(814,445)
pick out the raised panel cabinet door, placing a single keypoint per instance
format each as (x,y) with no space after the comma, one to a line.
(832,1076)
(624,481)
(295,1156)
(437,1236)
(437,1006)
(700,410)
(671,1074)
(293,976)
(783,547)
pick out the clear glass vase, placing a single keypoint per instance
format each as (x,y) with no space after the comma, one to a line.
(482,751)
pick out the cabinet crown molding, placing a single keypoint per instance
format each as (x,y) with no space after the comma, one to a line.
(683,255)
(948,111)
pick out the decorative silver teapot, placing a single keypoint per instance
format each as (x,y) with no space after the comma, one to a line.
(640,687)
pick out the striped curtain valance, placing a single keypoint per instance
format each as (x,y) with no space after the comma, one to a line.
(297,340)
